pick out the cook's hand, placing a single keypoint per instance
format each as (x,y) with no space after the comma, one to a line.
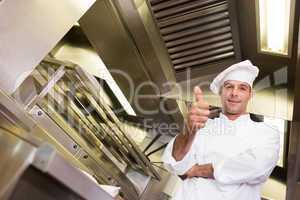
(196,118)
(204,171)
(198,113)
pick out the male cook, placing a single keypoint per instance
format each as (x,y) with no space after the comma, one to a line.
(226,158)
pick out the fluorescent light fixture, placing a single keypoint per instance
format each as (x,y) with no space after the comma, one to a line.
(274,23)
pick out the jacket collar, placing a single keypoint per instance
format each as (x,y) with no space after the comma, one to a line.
(242,118)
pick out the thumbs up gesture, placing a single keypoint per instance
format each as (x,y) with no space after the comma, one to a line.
(198,113)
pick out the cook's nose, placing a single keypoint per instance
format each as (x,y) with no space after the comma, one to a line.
(234,92)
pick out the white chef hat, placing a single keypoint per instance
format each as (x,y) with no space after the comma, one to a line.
(243,71)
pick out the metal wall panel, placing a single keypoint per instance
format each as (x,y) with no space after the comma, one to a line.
(129,43)
(29,30)
(187,26)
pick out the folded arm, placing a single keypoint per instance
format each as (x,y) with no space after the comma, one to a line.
(252,166)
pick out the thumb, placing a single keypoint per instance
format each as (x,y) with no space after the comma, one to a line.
(198,93)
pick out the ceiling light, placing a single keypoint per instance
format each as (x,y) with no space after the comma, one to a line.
(274,24)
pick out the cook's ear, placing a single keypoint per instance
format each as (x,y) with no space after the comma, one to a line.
(251,92)
(220,89)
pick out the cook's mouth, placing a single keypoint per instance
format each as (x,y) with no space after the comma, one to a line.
(233,101)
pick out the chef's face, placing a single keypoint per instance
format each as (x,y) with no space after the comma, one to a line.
(235,96)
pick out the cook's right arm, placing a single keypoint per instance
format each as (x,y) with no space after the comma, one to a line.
(178,167)
(179,155)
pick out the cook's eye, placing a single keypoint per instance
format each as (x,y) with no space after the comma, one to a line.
(244,88)
(228,86)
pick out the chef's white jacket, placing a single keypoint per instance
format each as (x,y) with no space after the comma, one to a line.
(243,154)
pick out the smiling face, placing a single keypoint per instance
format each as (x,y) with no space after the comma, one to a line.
(234,97)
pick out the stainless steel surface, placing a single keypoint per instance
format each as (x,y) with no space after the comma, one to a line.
(56,132)
(125,33)
(188,35)
(157,189)
(16,155)
(178,8)
(73,112)
(18,148)
(170,21)
(15,119)
(88,164)
(92,85)
(92,148)
(86,121)
(47,160)
(14,113)
(130,44)
(76,48)
(139,180)
(217,38)
(26,41)
(197,22)
(46,89)
(171,39)
(213,58)
(201,49)
(191,24)
(203,55)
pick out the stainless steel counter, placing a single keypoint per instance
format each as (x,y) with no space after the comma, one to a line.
(66,111)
